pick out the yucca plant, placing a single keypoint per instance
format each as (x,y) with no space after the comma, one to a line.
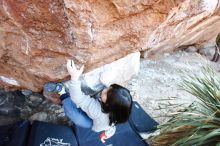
(217,49)
(199,124)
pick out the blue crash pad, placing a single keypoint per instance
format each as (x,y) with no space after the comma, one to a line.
(47,134)
(124,136)
(140,121)
(14,134)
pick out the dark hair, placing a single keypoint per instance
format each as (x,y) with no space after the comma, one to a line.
(118,104)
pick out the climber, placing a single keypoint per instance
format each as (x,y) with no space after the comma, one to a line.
(112,106)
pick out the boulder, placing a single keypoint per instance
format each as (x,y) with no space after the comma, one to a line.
(192,23)
(37,37)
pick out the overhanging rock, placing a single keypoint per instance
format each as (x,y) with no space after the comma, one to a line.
(37,37)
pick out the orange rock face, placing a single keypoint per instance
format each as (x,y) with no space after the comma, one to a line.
(36,36)
(192,23)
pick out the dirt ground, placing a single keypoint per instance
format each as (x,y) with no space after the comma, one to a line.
(156,87)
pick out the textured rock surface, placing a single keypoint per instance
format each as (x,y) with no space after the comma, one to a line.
(15,106)
(38,36)
(193,23)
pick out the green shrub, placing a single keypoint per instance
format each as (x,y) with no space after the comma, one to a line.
(199,124)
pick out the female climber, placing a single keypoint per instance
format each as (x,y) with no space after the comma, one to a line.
(112,106)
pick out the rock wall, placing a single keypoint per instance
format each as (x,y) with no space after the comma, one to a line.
(193,23)
(38,36)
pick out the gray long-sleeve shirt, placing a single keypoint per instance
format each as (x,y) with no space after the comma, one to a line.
(91,106)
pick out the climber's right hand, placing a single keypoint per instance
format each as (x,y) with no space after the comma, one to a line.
(73,71)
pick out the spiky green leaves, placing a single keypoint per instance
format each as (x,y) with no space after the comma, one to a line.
(199,124)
